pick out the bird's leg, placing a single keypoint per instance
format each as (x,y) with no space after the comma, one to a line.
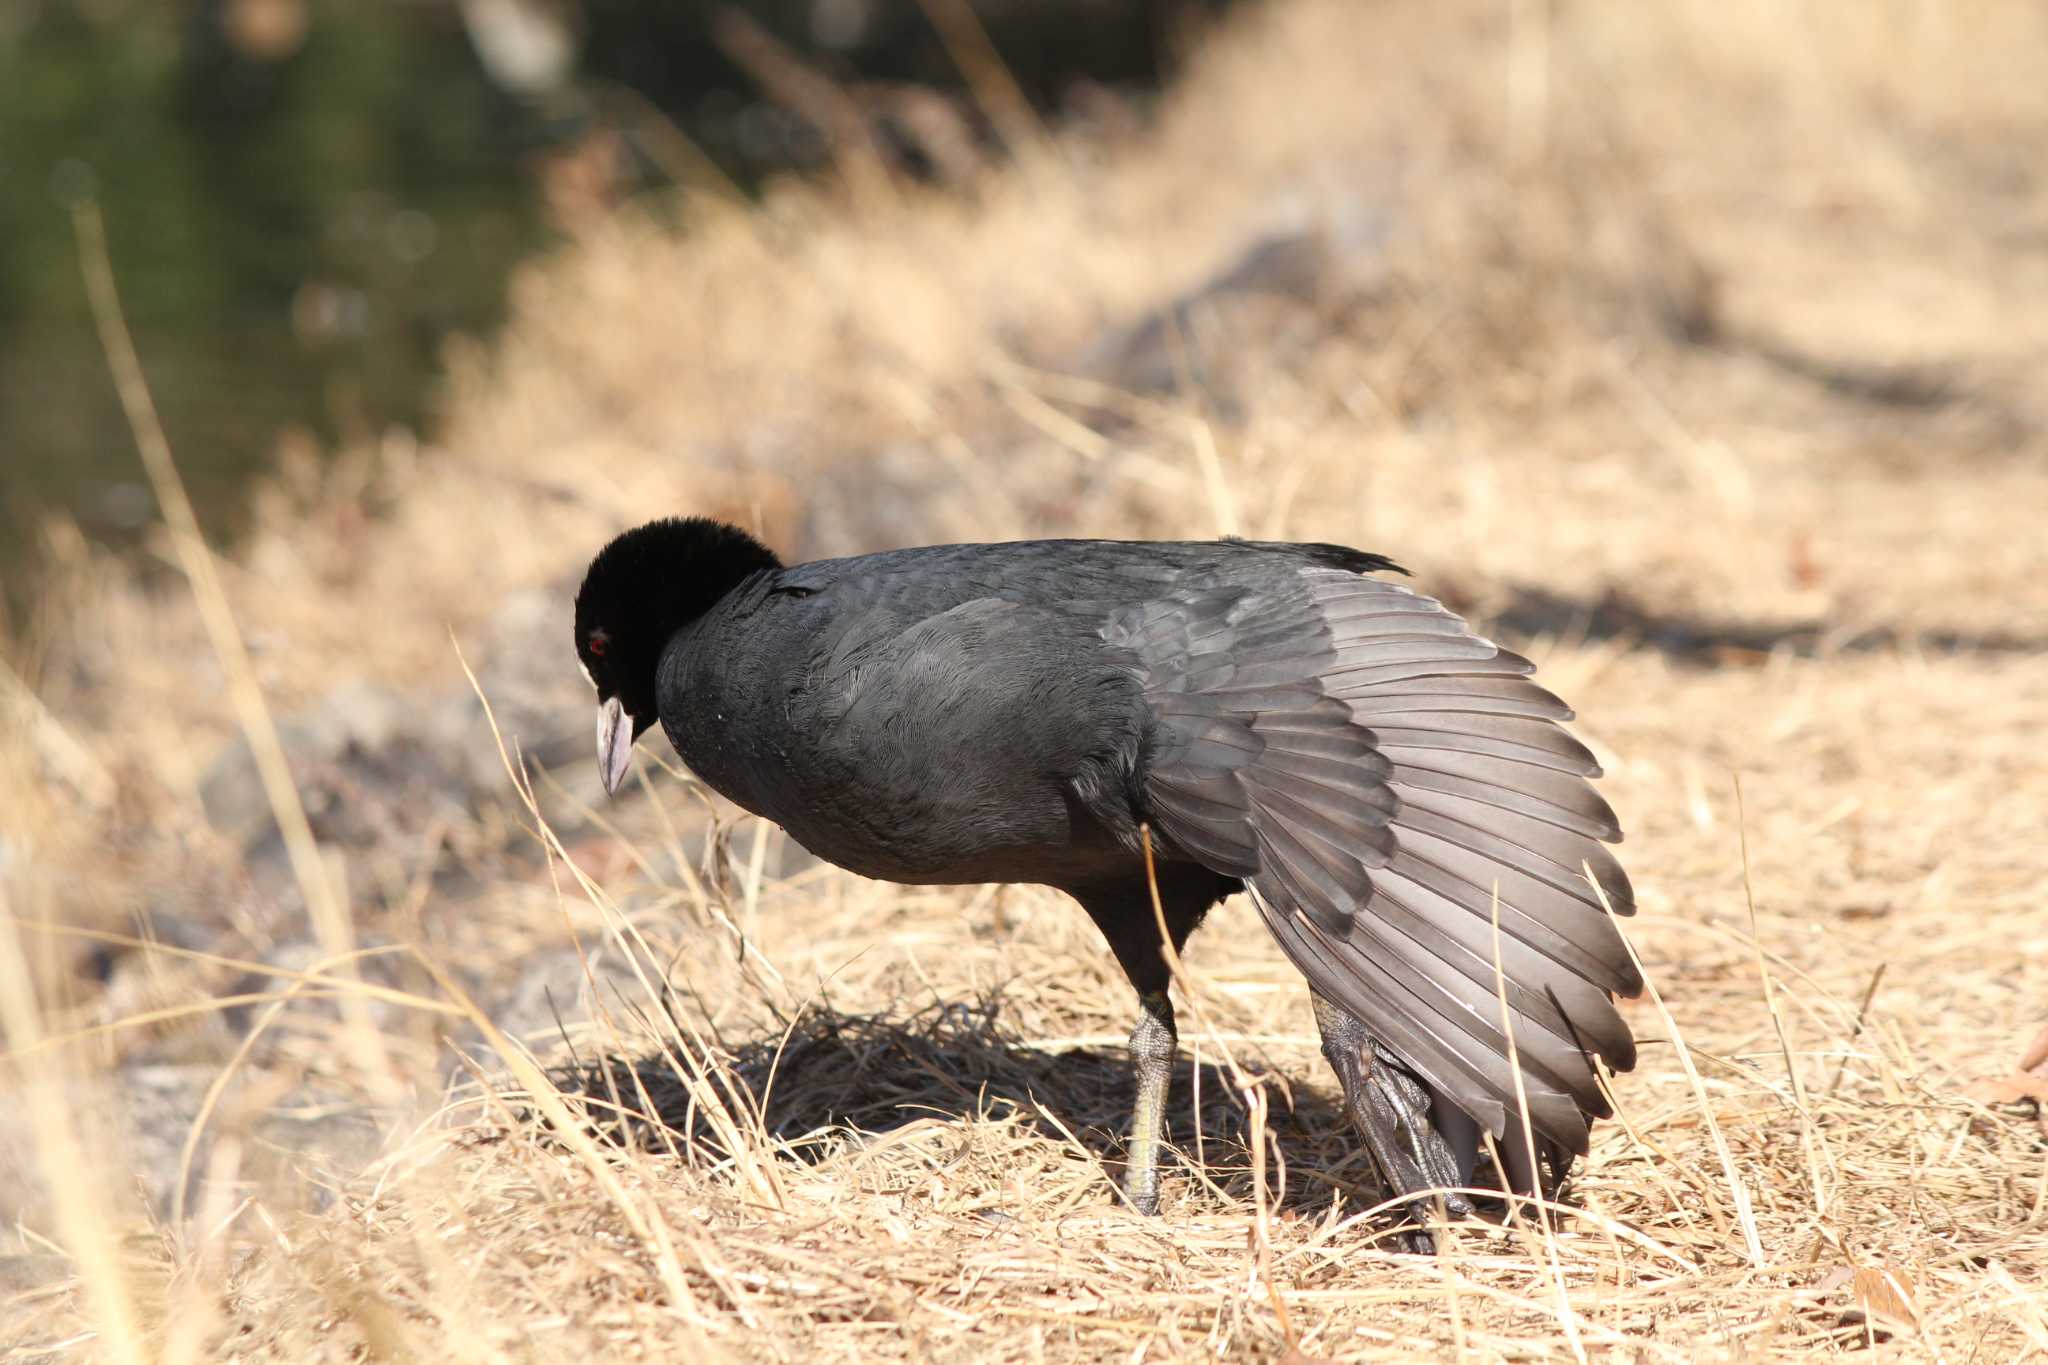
(1390,1109)
(1129,911)
(1153,1047)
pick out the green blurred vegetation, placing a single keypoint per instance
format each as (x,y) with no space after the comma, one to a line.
(295,227)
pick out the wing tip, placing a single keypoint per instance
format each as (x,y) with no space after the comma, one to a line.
(1350,560)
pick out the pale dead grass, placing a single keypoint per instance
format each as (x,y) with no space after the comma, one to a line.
(972,1216)
(889,1114)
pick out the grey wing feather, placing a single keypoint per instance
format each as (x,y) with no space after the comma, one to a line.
(1381,776)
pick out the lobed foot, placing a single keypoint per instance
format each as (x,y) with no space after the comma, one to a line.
(1391,1110)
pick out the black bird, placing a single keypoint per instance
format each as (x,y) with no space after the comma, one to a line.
(1380,778)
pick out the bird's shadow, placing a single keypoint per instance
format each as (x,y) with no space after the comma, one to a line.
(835,1077)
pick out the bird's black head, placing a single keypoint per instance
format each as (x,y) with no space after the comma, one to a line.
(640,590)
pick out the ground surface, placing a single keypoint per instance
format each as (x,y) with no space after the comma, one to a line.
(1694,348)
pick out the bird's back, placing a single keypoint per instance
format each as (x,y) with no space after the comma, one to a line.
(954,713)
(916,716)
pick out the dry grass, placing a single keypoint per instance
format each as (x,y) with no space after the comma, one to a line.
(1689,317)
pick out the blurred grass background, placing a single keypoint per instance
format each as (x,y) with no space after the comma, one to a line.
(1694,348)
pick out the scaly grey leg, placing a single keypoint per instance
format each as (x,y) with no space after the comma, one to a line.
(1391,1111)
(1154,1045)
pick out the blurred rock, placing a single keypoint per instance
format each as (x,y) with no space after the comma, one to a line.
(296,1141)
(528,48)
(554,986)
(20,1274)
(1186,342)
(308,1009)
(378,768)
(540,699)
(359,756)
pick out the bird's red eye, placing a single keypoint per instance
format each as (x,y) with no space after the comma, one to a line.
(598,641)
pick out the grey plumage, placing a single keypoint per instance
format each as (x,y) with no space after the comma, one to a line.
(1323,742)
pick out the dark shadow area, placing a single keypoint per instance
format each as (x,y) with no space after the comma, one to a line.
(1179,344)
(1707,642)
(1686,298)
(849,1077)
(1955,390)
(1891,386)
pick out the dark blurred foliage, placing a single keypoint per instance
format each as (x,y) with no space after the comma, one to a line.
(304,198)
(681,56)
(300,203)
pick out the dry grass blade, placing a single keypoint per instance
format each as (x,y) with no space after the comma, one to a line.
(83,1219)
(1763,971)
(1253,1090)
(543,1095)
(1745,1215)
(994,88)
(1862,1017)
(329,915)
(648,1226)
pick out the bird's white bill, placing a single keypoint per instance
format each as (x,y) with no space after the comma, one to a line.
(614,745)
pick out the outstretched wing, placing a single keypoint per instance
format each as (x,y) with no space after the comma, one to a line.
(1380,774)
